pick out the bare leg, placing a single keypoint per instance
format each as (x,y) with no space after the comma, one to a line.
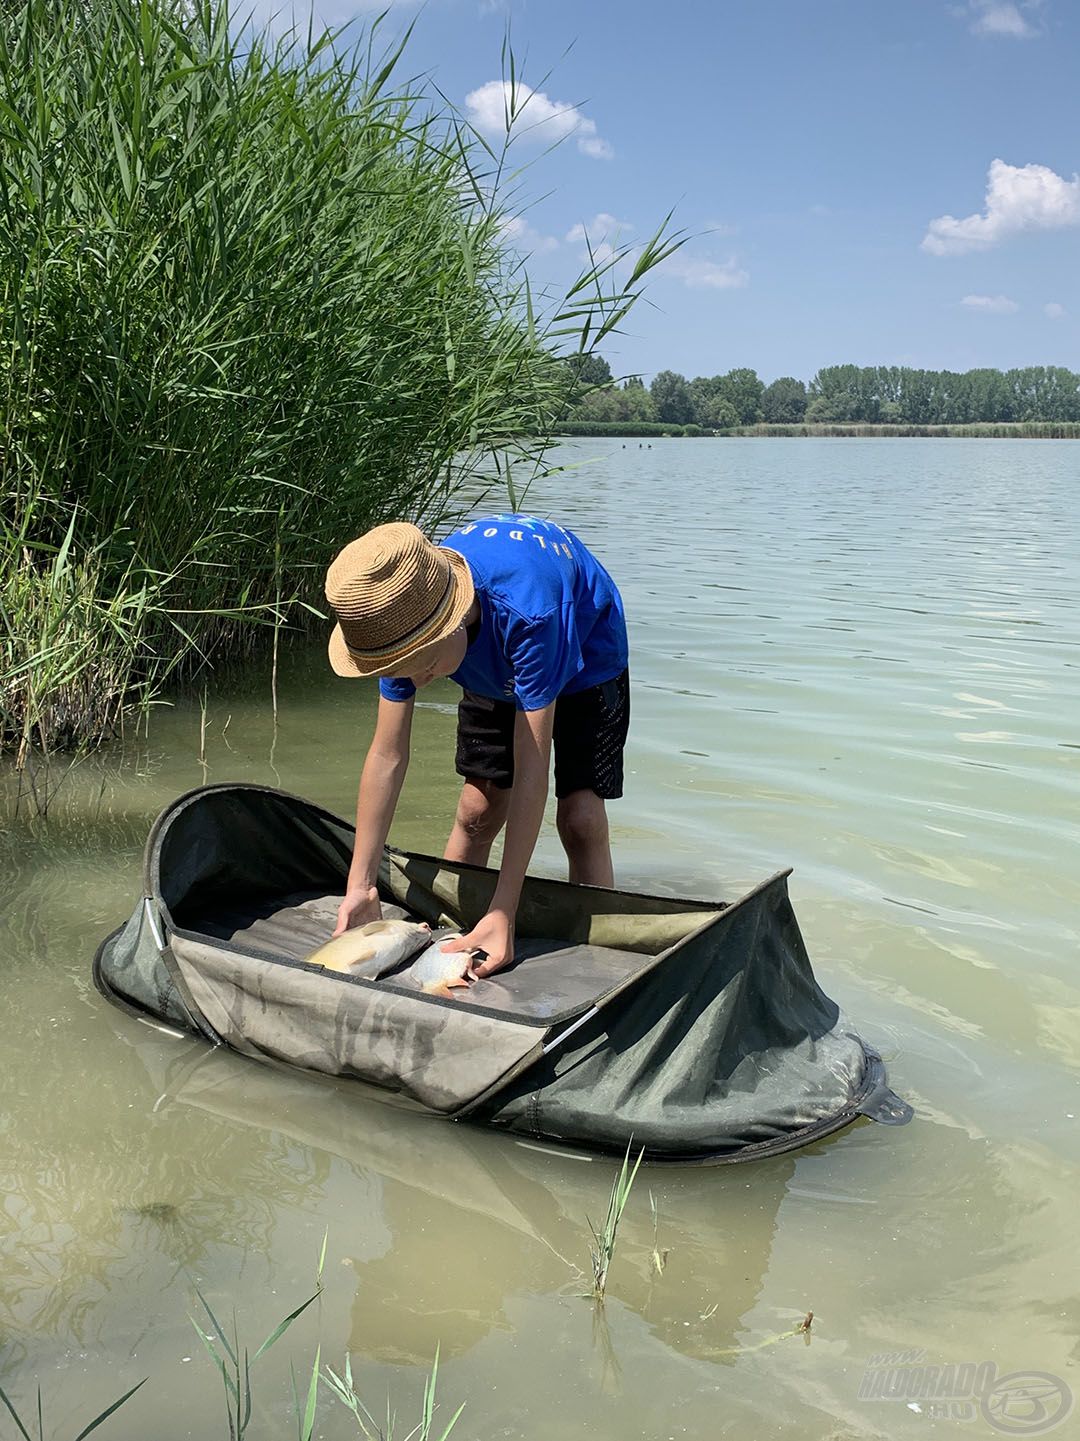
(583,829)
(481,814)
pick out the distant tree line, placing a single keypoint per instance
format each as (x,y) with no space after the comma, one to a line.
(876,395)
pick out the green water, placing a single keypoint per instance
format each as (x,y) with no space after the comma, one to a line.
(857,658)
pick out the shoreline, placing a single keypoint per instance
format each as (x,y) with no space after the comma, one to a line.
(979,430)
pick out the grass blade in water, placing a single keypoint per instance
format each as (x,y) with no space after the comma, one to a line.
(604,1250)
(110,1409)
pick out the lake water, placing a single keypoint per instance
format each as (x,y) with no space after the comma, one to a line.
(859,658)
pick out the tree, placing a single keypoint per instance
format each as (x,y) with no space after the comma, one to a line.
(590,370)
(916,396)
(990,395)
(834,394)
(717,413)
(784,401)
(744,390)
(637,403)
(628,402)
(602,404)
(672,398)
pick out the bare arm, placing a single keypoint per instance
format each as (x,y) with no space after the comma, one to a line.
(532,761)
(380,785)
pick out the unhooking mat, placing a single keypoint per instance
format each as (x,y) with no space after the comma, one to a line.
(694,1029)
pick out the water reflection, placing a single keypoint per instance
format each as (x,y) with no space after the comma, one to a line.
(451,1192)
(460,1237)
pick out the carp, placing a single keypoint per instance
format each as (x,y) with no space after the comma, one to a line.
(372,950)
(439,973)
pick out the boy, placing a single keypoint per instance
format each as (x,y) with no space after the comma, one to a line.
(527,621)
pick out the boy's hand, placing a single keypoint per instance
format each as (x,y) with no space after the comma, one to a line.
(361,904)
(495,935)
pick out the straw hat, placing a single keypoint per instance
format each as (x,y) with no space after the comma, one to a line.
(395,594)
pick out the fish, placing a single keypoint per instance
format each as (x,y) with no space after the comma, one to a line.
(439,973)
(371,950)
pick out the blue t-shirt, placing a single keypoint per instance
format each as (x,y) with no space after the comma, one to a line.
(551,619)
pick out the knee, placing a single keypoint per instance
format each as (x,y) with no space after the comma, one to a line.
(481,812)
(582,822)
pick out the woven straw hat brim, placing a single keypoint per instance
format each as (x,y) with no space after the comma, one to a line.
(344,663)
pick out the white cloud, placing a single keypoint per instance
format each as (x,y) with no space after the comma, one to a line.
(536,117)
(1018,197)
(606,235)
(1002,17)
(601,227)
(520,234)
(600,238)
(593,146)
(1054,310)
(698,273)
(990,304)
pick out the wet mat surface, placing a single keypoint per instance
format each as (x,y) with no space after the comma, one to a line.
(549,982)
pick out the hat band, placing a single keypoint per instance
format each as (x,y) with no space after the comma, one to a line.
(412,640)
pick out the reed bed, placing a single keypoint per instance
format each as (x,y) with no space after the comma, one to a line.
(254,297)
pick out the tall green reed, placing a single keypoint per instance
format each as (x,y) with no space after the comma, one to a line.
(254,297)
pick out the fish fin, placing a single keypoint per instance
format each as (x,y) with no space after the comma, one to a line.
(443,992)
(367,970)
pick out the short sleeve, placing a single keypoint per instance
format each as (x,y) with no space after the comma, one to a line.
(545,657)
(396,688)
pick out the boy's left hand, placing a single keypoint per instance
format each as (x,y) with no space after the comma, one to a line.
(495,935)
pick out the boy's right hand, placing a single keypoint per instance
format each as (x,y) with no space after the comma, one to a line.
(359,906)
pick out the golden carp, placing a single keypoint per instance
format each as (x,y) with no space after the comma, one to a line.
(371,950)
(438,972)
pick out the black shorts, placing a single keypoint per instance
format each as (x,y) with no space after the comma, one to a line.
(588,739)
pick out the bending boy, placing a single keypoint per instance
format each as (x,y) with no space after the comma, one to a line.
(527,621)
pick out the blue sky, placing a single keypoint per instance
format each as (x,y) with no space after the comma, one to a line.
(883,183)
